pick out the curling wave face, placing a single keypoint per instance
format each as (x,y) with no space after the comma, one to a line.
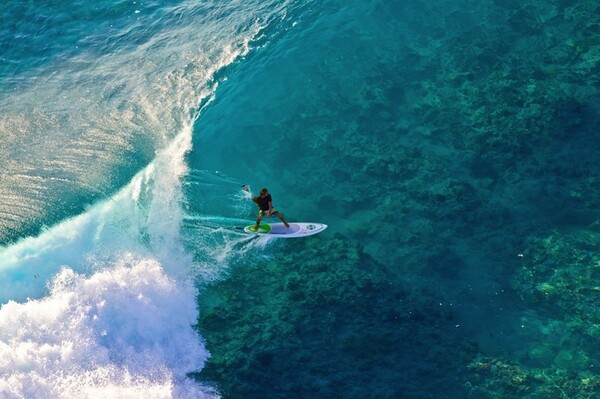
(93,143)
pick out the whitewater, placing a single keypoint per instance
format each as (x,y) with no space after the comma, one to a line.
(116,316)
(97,290)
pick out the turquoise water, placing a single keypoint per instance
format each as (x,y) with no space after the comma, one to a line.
(449,146)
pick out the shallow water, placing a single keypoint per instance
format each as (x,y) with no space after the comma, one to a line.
(450,147)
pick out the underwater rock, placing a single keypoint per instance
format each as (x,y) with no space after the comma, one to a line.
(472,144)
(540,356)
(571,360)
(494,378)
(327,305)
(561,271)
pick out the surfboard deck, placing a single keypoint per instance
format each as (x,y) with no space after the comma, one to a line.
(279,230)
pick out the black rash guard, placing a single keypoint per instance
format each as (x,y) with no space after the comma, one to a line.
(263,202)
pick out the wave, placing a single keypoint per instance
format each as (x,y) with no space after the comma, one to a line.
(103,303)
(117,315)
(76,129)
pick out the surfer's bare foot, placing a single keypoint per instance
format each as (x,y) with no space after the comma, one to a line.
(286,224)
(255,228)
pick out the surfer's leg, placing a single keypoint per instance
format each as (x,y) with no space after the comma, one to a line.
(283,220)
(260,216)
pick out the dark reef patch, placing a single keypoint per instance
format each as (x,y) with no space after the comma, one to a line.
(323,319)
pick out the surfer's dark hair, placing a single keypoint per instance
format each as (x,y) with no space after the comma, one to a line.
(263,190)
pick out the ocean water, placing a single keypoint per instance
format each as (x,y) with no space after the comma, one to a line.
(451,147)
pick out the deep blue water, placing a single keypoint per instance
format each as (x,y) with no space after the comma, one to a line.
(450,146)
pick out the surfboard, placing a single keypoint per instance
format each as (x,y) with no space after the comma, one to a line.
(279,230)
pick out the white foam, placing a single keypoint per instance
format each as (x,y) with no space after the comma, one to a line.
(113,303)
(123,332)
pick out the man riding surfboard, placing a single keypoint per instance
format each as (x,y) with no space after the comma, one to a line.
(265,206)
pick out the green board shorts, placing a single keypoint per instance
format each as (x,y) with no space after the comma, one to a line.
(273,212)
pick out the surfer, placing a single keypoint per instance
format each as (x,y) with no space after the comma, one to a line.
(265,206)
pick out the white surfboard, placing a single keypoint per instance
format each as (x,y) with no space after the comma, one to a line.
(279,230)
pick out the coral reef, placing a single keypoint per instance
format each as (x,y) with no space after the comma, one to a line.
(492,378)
(560,277)
(475,126)
(461,153)
(323,319)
